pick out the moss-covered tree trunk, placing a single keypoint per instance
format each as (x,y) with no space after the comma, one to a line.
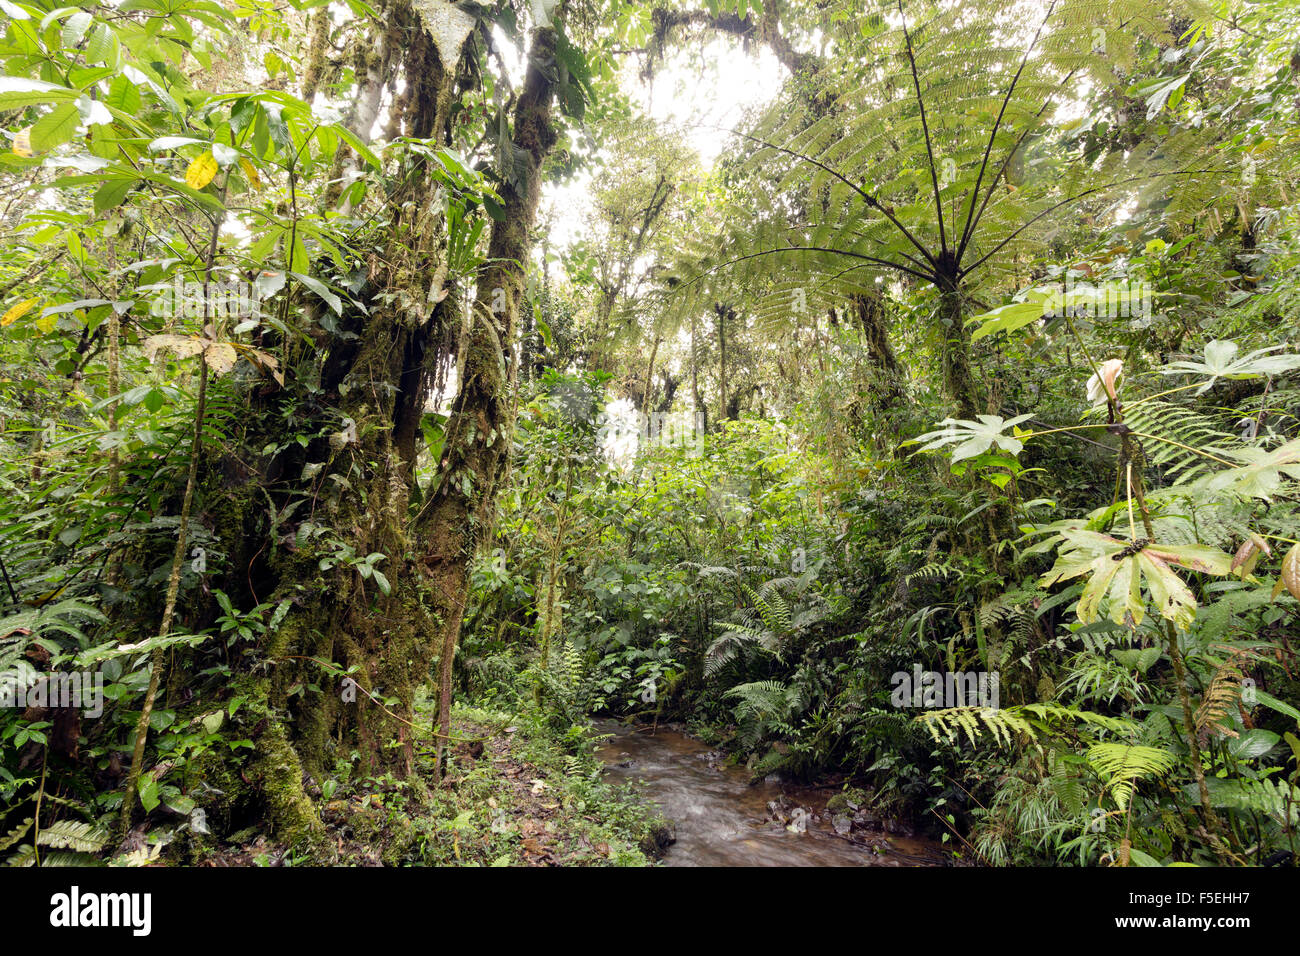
(459,511)
(340,670)
(869,309)
(958,374)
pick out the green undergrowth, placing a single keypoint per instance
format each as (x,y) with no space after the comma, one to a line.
(516,793)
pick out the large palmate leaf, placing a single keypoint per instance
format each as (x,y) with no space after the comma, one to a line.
(975,437)
(1221,362)
(1262,474)
(1117,570)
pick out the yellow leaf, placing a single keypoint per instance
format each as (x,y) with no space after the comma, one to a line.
(23,142)
(45,598)
(46,323)
(201,171)
(17,312)
(267,362)
(183,345)
(220,357)
(250,173)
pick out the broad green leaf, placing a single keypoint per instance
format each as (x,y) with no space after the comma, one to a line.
(1252,743)
(321,290)
(360,148)
(123,96)
(75,28)
(102,45)
(55,127)
(1008,318)
(111,194)
(149,795)
(17,91)
(295,253)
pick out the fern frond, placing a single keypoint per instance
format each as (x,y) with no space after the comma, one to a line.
(1222,695)
(945,726)
(1124,765)
(16,834)
(1276,799)
(73,835)
(1176,428)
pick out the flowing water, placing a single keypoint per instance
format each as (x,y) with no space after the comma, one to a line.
(720,820)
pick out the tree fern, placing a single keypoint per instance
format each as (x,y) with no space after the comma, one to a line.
(916,158)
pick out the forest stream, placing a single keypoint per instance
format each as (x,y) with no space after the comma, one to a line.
(719,819)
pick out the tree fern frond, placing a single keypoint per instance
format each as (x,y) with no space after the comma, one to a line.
(1124,765)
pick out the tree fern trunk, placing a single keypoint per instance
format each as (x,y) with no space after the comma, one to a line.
(958,376)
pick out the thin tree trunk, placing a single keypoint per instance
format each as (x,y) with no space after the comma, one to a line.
(721,312)
(697,406)
(169,606)
(649,379)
